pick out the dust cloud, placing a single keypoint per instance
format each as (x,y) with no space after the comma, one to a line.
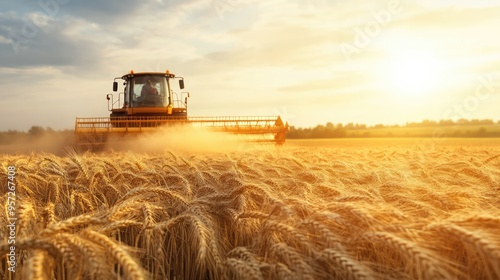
(54,143)
(178,138)
(187,139)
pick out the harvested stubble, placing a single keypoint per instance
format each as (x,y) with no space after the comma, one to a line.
(342,213)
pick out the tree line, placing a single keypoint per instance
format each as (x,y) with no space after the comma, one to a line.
(35,132)
(329,130)
(458,128)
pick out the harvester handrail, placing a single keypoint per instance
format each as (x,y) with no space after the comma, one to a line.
(95,128)
(108,120)
(228,122)
(176,101)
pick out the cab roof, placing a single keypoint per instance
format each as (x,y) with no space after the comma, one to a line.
(132,73)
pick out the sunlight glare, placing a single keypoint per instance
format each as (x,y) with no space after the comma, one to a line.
(412,73)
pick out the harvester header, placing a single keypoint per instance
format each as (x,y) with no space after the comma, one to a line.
(148,101)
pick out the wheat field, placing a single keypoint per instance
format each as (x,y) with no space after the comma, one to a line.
(303,211)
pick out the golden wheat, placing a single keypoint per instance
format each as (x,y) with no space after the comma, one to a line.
(294,212)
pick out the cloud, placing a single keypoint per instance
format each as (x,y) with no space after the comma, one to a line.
(446,18)
(80,34)
(46,45)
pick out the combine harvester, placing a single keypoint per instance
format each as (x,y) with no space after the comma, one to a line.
(148,103)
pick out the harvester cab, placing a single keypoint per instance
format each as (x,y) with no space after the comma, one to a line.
(148,94)
(148,101)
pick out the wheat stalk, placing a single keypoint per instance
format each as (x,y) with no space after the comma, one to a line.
(419,263)
(71,224)
(157,191)
(132,270)
(242,270)
(343,266)
(476,244)
(293,260)
(38,265)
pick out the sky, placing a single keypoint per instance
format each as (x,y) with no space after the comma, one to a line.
(312,62)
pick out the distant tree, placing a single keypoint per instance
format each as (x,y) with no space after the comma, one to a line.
(427,123)
(319,132)
(36,131)
(446,122)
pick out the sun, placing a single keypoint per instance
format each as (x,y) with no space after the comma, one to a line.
(412,73)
